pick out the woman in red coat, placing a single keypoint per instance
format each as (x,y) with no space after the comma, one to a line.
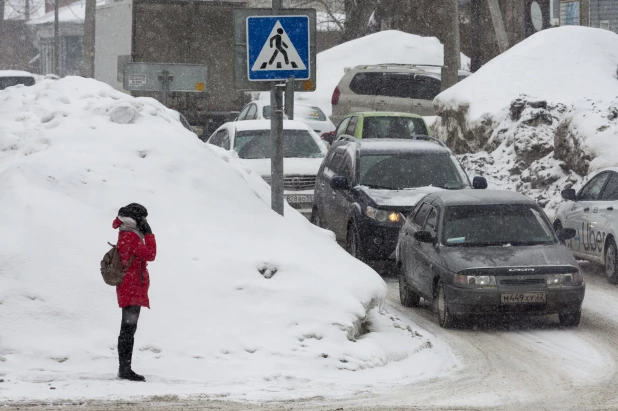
(136,246)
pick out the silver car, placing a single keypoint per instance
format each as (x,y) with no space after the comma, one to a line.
(593,214)
(408,88)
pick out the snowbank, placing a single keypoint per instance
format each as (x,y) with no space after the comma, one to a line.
(389,46)
(244,303)
(540,116)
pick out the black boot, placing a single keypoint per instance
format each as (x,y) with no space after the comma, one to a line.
(125,355)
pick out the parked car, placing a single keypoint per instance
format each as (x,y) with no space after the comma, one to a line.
(593,214)
(376,124)
(310,115)
(303,152)
(408,88)
(365,187)
(476,252)
(10,78)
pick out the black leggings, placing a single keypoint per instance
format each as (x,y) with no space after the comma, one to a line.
(126,340)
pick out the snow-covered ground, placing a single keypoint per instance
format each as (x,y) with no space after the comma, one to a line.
(540,117)
(72,151)
(389,46)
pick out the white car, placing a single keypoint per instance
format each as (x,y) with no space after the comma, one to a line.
(10,78)
(313,116)
(303,152)
(593,214)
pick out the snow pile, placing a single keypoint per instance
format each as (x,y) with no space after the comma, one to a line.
(541,116)
(244,303)
(389,46)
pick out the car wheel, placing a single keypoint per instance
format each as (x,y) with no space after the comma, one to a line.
(353,242)
(611,269)
(570,319)
(445,318)
(407,296)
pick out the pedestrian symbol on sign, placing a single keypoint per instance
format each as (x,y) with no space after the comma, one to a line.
(278,52)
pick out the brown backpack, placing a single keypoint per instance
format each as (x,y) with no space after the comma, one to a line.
(111,267)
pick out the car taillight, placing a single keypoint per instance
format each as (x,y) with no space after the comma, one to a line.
(336,94)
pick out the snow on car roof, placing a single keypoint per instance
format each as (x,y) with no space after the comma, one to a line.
(400,145)
(480,197)
(15,73)
(265,125)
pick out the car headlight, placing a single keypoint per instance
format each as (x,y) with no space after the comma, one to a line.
(383,216)
(566,279)
(475,280)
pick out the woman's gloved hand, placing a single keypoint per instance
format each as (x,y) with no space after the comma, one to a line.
(143,226)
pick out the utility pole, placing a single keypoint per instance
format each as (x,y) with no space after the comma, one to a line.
(56,40)
(276,131)
(452,56)
(476,24)
(89,38)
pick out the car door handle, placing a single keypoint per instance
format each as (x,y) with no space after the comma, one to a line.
(586,209)
(610,208)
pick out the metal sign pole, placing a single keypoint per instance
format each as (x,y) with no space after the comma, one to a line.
(276,131)
(165,79)
(289,98)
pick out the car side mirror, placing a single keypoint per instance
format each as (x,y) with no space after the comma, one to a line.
(479,183)
(569,194)
(424,237)
(328,137)
(566,234)
(339,183)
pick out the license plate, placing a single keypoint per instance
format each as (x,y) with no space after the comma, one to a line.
(299,198)
(518,298)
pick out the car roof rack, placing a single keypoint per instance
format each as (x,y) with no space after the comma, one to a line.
(422,137)
(397,65)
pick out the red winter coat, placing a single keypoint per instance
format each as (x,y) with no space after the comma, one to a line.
(134,287)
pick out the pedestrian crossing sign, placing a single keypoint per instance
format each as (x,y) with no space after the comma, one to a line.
(278,47)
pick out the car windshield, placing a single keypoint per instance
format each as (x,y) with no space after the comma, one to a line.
(495,225)
(13,81)
(393,127)
(252,144)
(410,170)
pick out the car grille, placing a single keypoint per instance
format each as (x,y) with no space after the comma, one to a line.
(296,183)
(523,281)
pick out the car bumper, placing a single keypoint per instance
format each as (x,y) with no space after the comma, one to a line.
(378,242)
(464,301)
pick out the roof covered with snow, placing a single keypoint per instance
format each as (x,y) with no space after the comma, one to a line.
(481,197)
(265,125)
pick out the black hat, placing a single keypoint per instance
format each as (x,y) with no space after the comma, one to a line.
(133,210)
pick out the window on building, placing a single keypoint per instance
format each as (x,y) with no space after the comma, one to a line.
(605,25)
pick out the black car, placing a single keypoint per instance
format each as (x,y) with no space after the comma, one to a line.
(364,188)
(484,251)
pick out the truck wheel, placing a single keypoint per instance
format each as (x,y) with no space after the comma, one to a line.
(445,318)
(611,266)
(570,319)
(353,242)
(407,297)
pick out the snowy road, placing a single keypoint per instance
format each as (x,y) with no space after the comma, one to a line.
(531,363)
